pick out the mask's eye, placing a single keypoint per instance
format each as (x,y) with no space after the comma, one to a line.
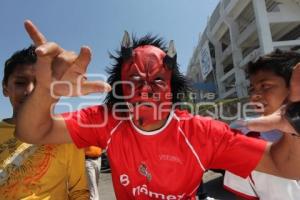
(159,80)
(136,78)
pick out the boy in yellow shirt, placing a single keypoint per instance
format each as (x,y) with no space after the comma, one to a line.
(34,171)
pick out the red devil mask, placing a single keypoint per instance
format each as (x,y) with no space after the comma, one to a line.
(149,94)
(146,72)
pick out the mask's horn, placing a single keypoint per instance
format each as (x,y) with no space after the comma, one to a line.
(170,59)
(126,47)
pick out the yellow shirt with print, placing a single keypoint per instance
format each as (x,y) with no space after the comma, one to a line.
(40,171)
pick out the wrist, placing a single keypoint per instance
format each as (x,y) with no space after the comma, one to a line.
(45,94)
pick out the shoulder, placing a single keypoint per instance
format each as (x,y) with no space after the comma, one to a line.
(7,132)
(88,114)
(185,115)
(197,120)
(4,124)
(68,149)
(96,109)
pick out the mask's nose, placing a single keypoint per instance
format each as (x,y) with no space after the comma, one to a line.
(147,89)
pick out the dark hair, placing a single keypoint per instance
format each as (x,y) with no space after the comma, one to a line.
(179,83)
(22,57)
(279,62)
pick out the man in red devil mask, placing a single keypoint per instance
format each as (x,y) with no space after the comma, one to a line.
(155,150)
(148,75)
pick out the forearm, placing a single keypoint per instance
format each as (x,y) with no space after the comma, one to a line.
(286,156)
(34,117)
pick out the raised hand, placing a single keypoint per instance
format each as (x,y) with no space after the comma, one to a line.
(61,71)
(277,120)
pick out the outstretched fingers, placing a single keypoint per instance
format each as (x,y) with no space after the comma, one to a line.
(83,60)
(49,49)
(44,48)
(37,37)
(80,66)
(89,87)
(61,61)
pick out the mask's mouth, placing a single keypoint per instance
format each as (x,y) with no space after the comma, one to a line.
(140,103)
(143,107)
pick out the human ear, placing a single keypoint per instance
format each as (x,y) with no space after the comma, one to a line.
(4,90)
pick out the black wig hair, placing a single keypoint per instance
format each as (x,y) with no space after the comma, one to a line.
(179,84)
(22,57)
(281,63)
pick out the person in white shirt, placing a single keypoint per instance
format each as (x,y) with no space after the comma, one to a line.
(269,87)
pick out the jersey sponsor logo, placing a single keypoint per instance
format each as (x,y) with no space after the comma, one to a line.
(144,171)
(143,190)
(170,158)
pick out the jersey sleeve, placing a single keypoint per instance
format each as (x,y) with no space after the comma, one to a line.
(88,127)
(231,150)
(240,186)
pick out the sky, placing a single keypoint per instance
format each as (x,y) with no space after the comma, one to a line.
(100,24)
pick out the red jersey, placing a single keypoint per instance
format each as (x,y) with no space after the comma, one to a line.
(167,163)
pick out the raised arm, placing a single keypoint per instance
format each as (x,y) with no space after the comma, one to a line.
(58,73)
